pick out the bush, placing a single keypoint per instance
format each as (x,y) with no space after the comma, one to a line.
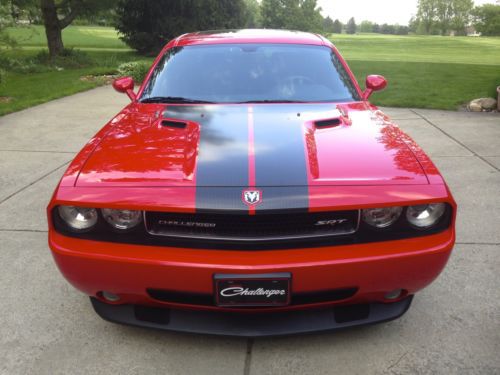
(41,62)
(20,65)
(68,59)
(147,25)
(135,69)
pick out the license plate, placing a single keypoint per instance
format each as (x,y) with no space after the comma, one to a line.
(252,290)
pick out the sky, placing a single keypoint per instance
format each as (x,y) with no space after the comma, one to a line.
(379,11)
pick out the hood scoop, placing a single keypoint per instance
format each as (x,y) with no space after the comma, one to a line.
(329,123)
(173,124)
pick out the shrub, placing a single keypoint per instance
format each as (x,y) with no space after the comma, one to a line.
(135,69)
(20,65)
(69,59)
(147,25)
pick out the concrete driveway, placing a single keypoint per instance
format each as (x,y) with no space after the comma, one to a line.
(47,327)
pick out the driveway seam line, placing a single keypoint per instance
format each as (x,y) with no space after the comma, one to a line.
(32,183)
(248,357)
(397,362)
(458,142)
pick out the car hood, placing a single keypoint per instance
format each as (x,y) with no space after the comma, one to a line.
(260,145)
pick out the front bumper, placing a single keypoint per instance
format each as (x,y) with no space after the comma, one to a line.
(254,325)
(372,270)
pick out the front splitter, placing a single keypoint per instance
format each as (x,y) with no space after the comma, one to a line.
(252,325)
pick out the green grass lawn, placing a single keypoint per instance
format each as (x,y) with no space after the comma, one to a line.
(101,44)
(33,89)
(429,85)
(423,71)
(27,90)
(419,48)
(86,37)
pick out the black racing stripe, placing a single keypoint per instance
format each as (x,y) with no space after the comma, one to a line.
(220,198)
(280,162)
(280,154)
(222,162)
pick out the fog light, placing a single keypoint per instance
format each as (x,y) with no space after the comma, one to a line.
(110,297)
(394,294)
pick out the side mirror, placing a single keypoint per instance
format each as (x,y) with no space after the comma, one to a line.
(374,83)
(125,85)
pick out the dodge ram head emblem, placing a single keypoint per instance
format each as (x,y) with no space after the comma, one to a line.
(252,197)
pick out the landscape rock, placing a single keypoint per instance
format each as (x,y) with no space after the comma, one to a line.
(487,104)
(475,107)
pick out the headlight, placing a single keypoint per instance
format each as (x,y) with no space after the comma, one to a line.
(425,215)
(122,219)
(381,217)
(78,219)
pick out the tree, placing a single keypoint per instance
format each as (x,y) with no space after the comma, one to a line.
(413,24)
(462,12)
(337,27)
(54,25)
(402,30)
(387,29)
(351,26)
(487,19)
(5,39)
(376,28)
(277,14)
(303,15)
(146,25)
(328,25)
(366,27)
(252,16)
(69,10)
(442,16)
(15,10)
(30,10)
(311,16)
(426,14)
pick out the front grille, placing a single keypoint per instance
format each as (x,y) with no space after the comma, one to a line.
(251,228)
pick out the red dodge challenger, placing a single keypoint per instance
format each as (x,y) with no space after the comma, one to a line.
(251,189)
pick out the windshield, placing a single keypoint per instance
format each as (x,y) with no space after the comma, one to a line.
(240,73)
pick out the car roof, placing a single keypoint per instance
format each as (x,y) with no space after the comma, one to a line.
(249,36)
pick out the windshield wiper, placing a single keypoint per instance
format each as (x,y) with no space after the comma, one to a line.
(173,99)
(272,101)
